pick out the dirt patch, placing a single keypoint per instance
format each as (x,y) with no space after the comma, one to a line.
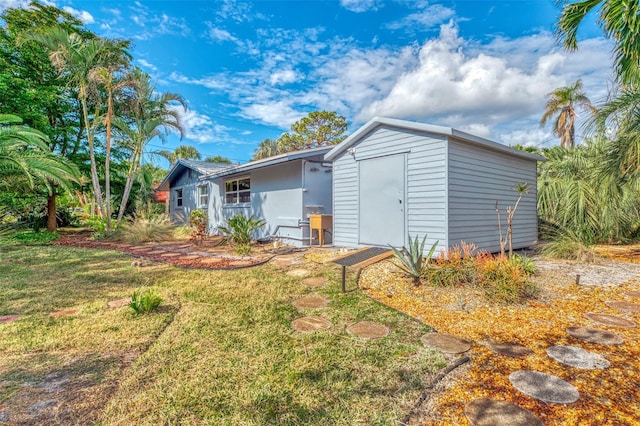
(49,389)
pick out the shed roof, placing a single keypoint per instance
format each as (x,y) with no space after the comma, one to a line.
(202,167)
(375,122)
(270,161)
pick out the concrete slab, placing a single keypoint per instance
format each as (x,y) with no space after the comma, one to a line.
(610,320)
(577,357)
(446,343)
(507,349)
(299,273)
(492,412)
(315,282)
(623,306)
(595,335)
(368,330)
(310,324)
(313,302)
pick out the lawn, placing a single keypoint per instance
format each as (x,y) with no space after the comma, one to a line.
(221,350)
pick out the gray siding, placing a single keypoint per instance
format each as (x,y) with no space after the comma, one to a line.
(316,196)
(188,182)
(425,196)
(477,179)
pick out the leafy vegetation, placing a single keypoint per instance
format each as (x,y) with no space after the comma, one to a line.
(412,260)
(199,223)
(144,301)
(141,229)
(240,230)
(31,237)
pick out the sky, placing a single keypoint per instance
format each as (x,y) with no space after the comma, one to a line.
(250,69)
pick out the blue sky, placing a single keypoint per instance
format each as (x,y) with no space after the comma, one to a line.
(250,69)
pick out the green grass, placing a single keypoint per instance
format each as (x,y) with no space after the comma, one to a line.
(221,349)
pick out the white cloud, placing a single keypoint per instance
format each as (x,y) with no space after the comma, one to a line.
(428,18)
(147,64)
(13,4)
(359,6)
(154,24)
(283,77)
(82,15)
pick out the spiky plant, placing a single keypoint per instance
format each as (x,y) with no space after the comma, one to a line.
(412,260)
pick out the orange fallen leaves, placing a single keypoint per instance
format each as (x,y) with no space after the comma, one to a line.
(608,396)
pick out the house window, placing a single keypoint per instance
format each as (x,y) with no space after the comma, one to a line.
(203,195)
(178,197)
(238,191)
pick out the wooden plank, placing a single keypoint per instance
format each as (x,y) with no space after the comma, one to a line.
(374,259)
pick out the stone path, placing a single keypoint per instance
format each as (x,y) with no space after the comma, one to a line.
(577,357)
(545,387)
(313,302)
(491,412)
(368,330)
(309,324)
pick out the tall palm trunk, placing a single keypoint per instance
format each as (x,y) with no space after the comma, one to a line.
(133,172)
(107,160)
(97,192)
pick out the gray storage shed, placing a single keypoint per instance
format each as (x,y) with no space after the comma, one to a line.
(394,177)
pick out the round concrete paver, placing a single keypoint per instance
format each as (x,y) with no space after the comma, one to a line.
(545,387)
(491,412)
(635,294)
(8,318)
(190,257)
(595,335)
(623,306)
(309,324)
(141,248)
(119,303)
(299,273)
(508,349)
(156,252)
(446,343)
(577,357)
(64,313)
(210,260)
(368,330)
(610,320)
(313,302)
(171,254)
(315,282)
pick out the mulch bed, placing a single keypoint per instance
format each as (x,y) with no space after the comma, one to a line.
(180,254)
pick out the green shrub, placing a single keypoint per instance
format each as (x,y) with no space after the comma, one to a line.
(502,279)
(140,229)
(30,237)
(182,232)
(412,260)
(145,300)
(526,263)
(199,223)
(569,248)
(239,231)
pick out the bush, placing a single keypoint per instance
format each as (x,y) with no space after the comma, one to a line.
(140,229)
(412,260)
(240,230)
(36,237)
(144,301)
(199,223)
(454,266)
(569,248)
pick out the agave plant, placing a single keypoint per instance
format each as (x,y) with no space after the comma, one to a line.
(412,260)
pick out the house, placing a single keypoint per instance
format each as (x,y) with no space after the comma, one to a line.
(284,190)
(393,178)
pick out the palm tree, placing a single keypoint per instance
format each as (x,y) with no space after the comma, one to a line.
(153,115)
(619,21)
(267,148)
(218,159)
(24,152)
(187,152)
(562,103)
(76,57)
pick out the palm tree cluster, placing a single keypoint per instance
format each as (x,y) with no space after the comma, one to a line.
(112,109)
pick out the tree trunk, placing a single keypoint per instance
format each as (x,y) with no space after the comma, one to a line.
(107,161)
(97,193)
(133,171)
(51,212)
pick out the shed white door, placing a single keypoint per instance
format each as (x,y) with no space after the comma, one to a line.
(382,201)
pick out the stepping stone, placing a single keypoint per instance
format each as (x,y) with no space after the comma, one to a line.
(170,254)
(623,306)
(190,257)
(315,282)
(119,303)
(368,330)
(210,260)
(8,318)
(446,343)
(314,302)
(491,412)
(508,349)
(309,324)
(156,252)
(298,273)
(595,335)
(64,313)
(240,263)
(139,248)
(635,294)
(577,357)
(610,320)
(545,387)
(281,262)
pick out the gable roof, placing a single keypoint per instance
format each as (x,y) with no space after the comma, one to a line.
(375,122)
(202,167)
(270,161)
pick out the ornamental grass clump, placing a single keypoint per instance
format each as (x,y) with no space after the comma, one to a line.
(412,260)
(145,300)
(141,229)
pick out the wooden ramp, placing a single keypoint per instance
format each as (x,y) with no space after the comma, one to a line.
(361,258)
